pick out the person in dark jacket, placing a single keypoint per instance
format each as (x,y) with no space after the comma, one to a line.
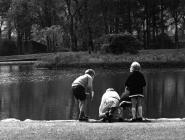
(135,84)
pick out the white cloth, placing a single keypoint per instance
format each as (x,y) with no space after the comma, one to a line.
(109,99)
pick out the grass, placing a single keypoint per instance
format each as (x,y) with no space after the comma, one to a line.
(60,59)
(74,130)
(169,56)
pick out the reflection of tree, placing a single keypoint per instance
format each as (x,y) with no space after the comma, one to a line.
(181,95)
(161,94)
(169,89)
(8,94)
(158,91)
(153,95)
(170,92)
(5,100)
(180,89)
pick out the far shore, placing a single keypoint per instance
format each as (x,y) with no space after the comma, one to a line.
(163,58)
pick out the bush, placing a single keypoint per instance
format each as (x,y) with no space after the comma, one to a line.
(163,41)
(7,47)
(105,48)
(118,43)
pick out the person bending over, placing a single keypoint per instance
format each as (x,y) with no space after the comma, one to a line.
(82,86)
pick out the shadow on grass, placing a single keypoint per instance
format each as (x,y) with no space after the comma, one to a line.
(120,121)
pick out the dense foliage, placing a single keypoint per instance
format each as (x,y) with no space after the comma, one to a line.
(7,47)
(75,24)
(117,43)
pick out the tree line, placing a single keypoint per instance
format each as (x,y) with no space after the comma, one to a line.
(75,24)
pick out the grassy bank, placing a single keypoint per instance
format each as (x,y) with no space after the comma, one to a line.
(74,130)
(149,58)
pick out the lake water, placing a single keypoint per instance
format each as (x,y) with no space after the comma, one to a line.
(28,93)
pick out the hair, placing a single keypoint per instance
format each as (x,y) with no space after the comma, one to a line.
(90,72)
(135,66)
(110,89)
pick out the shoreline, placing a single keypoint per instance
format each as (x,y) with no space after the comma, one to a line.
(119,65)
(149,120)
(164,58)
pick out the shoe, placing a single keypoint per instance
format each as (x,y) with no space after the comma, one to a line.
(133,120)
(139,119)
(83,118)
(86,117)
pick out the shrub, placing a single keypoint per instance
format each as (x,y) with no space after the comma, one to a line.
(163,41)
(105,48)
(118,43)
(7,47)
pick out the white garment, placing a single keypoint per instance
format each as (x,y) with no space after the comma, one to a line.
(109,99)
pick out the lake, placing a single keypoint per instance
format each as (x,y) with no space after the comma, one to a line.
(41,94)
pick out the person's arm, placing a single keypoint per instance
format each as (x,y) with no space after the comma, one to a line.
(125,93)
(90,87)
(103,112)
(144,81)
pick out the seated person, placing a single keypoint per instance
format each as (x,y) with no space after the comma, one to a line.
(109,109)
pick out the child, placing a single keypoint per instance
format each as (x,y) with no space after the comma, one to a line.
(109,107)
(80,87)
(135,84)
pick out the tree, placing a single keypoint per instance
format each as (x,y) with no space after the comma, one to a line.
(4,6)
(176,10)
(22,14)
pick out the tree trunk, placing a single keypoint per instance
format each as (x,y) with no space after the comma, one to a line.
(71,28)
(104,13)
(176,30)
(1,23)
(153,27)
(116,25)
(0,33)
(116,18)
(129,17)
(148,33)
(147,26)
(73,35)
(162,16)
(19,42)
(90,40)
(88,31)
(9,30)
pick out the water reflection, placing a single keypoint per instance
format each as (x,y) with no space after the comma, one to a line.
(27,93)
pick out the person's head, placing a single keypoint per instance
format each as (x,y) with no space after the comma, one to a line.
(135,66)
(109,89)
(115,113)
(91,72)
